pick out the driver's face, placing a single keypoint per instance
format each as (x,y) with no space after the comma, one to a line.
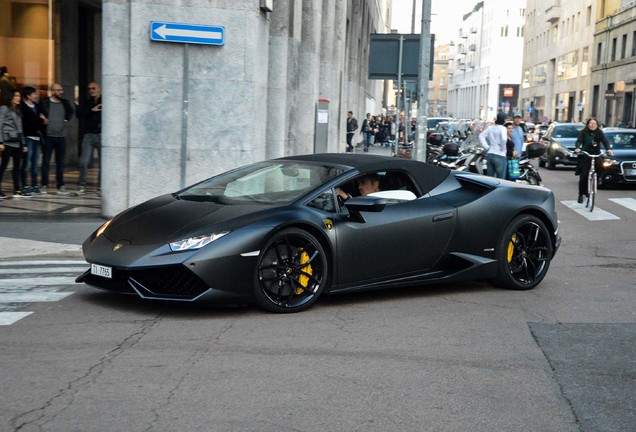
(366,186)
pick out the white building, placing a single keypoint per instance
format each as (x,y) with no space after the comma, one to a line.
(486,64)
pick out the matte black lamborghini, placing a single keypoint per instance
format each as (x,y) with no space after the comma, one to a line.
(279,233)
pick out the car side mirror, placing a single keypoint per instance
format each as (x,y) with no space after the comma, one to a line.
(361,204)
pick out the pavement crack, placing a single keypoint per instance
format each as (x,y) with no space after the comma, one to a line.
(64,398)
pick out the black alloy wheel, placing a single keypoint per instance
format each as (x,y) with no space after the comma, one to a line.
(292,272)
(524,253)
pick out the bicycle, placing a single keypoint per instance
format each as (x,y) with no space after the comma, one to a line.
(592,179)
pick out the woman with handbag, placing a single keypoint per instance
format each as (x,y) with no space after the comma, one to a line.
(12,142)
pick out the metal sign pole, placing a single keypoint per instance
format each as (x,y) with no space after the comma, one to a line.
(422,100)
(184,115)
(397,140)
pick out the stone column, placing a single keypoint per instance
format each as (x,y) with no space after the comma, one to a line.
(278,73)
(309,67)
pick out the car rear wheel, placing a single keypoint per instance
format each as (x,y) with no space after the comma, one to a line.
(292,272)
(551,163)
(524,253)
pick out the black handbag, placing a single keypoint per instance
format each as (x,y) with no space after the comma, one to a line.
(11,136)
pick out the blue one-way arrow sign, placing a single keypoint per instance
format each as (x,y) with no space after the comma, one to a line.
(187,33)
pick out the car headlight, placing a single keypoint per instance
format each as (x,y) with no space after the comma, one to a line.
(610,162)
(555,146)
(193,243)
(102,228)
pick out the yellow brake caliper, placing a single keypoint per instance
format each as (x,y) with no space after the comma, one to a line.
(511,247)
(303,279)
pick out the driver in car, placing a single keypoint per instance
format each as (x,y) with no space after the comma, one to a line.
(367,184)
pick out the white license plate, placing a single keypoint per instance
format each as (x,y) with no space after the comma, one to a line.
(103,271)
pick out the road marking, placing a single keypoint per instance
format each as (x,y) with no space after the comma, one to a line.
(629,203)
(24,263)
(33,297)
(44,270)
(23,282)
(19,283)
(597,215)
(8,318)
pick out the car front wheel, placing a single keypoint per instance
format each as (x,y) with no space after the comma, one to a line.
(292,272)
(524,253)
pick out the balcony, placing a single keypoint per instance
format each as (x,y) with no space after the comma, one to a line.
(553,12)
(471,65)
(473,30)
(472,47)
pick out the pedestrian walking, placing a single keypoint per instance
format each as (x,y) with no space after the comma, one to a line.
(352,126)
(494,140)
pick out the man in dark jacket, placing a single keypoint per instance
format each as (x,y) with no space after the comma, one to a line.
(91,113)
(33,122)
(59,112)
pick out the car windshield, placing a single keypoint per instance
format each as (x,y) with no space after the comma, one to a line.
(270,182)
(622,140)
(567,131)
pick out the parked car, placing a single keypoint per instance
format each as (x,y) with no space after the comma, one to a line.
(559,142)
(431,122)
(279,234)
(621,167)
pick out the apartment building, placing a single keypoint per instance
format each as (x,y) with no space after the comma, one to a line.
(438,86)
(614,66)
(557,53)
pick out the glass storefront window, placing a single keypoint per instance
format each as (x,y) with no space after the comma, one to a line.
(567,66)
(539,74)
(26,45)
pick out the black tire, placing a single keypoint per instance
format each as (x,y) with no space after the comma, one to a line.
(541,163)
(551,163)
(534,179)
(524,253)
(292,272)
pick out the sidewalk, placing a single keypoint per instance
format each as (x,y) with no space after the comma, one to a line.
(52,206)
(47,207)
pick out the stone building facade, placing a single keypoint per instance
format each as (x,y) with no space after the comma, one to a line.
(557,57)
(614,68)
(176,113)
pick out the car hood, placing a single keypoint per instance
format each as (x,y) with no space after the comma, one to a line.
(625,155)
(566,142)
(167,218)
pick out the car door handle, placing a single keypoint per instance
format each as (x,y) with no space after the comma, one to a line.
(442,217)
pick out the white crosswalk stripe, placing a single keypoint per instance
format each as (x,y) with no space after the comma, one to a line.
(629,203)
(26,282)
(597,215)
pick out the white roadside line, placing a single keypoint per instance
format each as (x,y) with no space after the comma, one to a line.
(597,215)
(32,297)
(21,283)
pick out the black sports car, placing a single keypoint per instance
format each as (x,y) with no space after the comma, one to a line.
(279,233)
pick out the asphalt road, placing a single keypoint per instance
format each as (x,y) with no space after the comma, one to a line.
(461,357)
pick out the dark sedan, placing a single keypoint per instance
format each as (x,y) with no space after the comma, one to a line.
(280,233)
(559,142)
(621,167)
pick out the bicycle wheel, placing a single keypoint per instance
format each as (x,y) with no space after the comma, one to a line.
(589,189)
(592,191)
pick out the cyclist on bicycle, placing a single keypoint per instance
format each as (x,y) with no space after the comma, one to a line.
(590,139)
